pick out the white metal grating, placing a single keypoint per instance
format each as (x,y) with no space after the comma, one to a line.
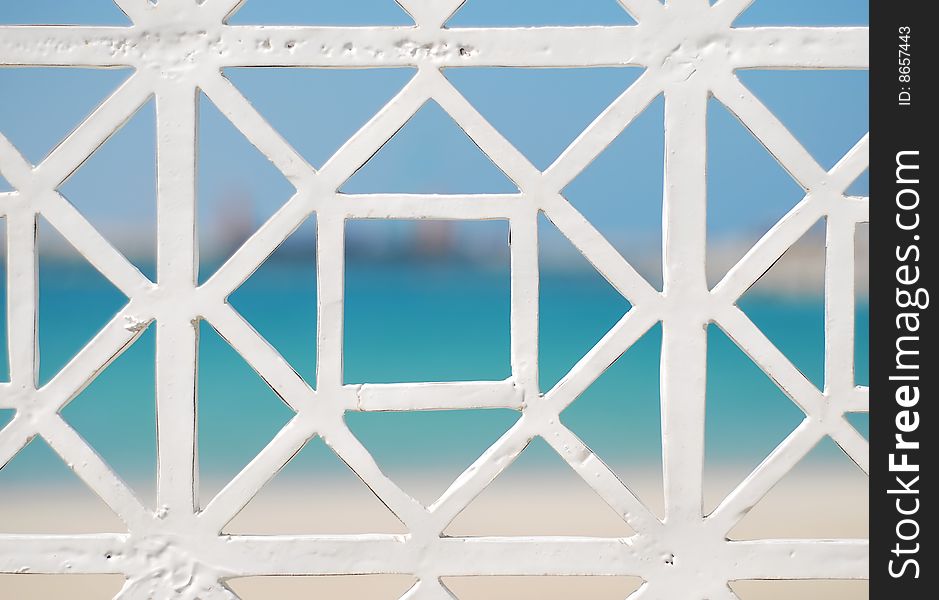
(178,47)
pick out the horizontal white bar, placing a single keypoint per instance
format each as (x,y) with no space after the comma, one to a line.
(432,206)
(440,396)
(267,46)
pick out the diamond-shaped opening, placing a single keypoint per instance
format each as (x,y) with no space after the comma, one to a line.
(4,344)
(320,12)
(115,189)
(315,493)
(861,422)
(40,495)
(426,301)
(41,105)
(238,412)
(541,111)
(29,586)
(619,417)
(620,192)
(861,186)
(542,587)
(826,110)
(862,309)
(788,304)
(529,13)
(238,188)
(824,496)
(538,494)
(371,587)
(57,12)
(317,123)
(6,415)
(5,185)
(279,300)
(430,154)
(577,305)
(747,417)
(75,301)
(748,191)
(429,449)
(116,415)
(804,12)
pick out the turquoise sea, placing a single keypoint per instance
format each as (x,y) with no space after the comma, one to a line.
(419,320)
(423,322)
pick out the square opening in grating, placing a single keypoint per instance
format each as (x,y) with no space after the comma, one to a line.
(426,301)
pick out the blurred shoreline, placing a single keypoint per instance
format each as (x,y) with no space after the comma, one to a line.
(799,273)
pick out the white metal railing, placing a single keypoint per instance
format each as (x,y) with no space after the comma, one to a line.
(178,47)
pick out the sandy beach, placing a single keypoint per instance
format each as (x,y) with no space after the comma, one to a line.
(821,502)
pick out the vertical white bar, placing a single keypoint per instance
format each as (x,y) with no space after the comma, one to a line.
(176,327)
(523,231)
(22,297)
(330,293)
(684,327)
(839,307)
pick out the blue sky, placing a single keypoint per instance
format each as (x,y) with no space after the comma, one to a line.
(540,111)
(473,13)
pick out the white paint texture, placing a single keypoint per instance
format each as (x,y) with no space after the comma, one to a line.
(177,47)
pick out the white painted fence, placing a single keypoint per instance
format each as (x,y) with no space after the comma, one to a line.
(177,47)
